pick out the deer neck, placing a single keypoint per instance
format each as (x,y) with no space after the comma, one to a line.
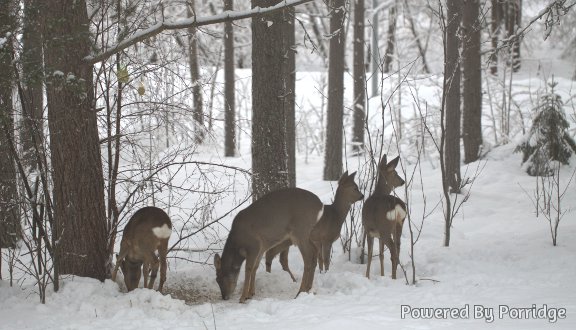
(341,206)
(231,256)
(383,188)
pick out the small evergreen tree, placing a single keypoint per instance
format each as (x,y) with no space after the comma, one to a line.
(548,139)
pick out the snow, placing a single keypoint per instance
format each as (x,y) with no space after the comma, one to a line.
(500,255)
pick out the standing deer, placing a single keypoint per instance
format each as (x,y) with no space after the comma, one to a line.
(383,215)
(283,217)
(147,230)
(328,228)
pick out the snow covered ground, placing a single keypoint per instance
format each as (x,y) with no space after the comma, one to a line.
(500,257)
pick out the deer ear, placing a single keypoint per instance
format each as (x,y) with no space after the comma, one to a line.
(343,177)
(382,163)
(393,163)
(351,177)
(217,262)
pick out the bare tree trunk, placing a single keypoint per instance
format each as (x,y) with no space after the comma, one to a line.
(271,100)
(32,134)
(391,37)
(229,87)
(472,82)
(513,19)
(316,29)
(9,217)
(452,90)
(496,22)
(359,74)
(195,76)
(289,75)
(421,49)
(80,221)
(335,111)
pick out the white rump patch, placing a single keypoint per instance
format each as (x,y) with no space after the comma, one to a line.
(320,213)
(162,232)
(396,214)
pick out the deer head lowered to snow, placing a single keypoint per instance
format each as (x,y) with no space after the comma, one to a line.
(383,215)
(283,217)
(148,230)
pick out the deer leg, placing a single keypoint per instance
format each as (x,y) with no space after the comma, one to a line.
(284,263)
(370,241)
(249,274)
(119,258)
(309,257)
(393,256)
(146,272)
(381,255)
(153,271)
(318,248)
(162,251)
(282,249)
(326,249)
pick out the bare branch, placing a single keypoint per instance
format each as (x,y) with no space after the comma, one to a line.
(191,22)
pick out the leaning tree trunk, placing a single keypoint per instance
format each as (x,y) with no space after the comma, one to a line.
(80,223)
(9,218)
(229,85)
(359,73)
(271,100)
(472,82)
(335,111)
(452,90)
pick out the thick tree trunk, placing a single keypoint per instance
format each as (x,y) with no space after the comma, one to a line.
(289,72)
(9,217)
(472,82)
(229,86)
(271,100)
(391,37)
(335,111)
(452,90)
(200,130)
(32,134)
(359,74)
(80,226)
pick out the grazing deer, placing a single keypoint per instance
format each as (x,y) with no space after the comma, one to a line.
(328,228)
(383,215)
(283,217)
(147,230)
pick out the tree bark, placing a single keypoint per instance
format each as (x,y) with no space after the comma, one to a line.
(472,82)
(391,37)
(359,73)
(496,22)
(271,100)
(80,224)
(200,130)
(452,90)
(335,111)
(229,87)
(9,214)
(32,133)
(513,19)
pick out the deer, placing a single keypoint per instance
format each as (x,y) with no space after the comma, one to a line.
(147,231)
(327,229)
(383,215)
(280,218)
